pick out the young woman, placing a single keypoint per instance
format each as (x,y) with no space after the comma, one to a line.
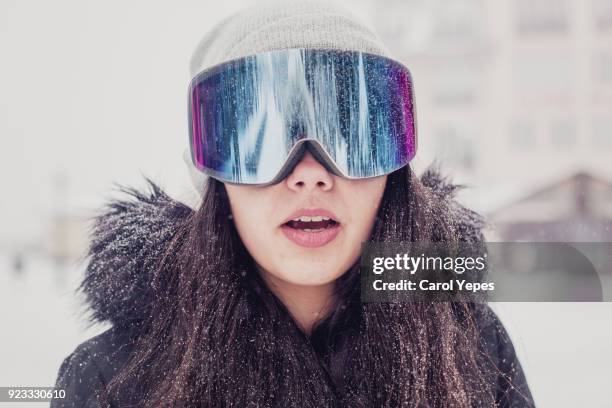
(304,127)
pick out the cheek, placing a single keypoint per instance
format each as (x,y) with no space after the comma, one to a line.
(249,211)
(248,227)
(364,215)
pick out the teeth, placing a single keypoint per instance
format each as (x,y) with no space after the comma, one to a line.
(316,218)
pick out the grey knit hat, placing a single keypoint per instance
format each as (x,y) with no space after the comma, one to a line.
(275,26)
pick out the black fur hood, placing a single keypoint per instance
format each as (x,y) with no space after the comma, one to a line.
(129,236)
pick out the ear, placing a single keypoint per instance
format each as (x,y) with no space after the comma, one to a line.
(198,179)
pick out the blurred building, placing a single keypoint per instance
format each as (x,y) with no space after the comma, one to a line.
(575,209)
(510,94)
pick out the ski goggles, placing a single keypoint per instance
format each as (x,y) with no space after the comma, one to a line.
(251,119)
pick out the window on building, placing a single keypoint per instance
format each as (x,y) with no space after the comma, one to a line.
(521,134)
(602,133)
(603,67)
(542,16)
(458,23)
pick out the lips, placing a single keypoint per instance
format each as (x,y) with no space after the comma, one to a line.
(311,227)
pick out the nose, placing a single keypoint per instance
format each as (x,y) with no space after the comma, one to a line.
(309,174)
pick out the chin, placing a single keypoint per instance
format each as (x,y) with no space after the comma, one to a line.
(309,275)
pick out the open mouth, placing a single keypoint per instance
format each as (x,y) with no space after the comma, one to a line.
(312,224)
(311,231)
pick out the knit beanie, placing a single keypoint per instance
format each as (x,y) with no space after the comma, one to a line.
(276,26)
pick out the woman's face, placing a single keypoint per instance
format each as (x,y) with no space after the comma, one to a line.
(313,250)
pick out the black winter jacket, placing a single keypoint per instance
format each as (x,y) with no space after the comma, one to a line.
(129,238)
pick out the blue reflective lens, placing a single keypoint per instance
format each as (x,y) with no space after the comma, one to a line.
(247,116)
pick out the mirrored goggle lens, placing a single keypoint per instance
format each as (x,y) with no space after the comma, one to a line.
(247,116)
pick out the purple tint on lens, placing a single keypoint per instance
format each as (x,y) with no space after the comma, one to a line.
(196,133)
(407,91)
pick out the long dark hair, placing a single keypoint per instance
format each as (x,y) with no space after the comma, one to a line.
(218,337)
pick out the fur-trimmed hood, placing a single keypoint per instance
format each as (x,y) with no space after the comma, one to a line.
(338,365)
(129,236)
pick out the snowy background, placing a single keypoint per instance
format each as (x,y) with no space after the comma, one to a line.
(94,93)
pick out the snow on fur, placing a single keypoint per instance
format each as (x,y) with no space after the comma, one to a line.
(129,238)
